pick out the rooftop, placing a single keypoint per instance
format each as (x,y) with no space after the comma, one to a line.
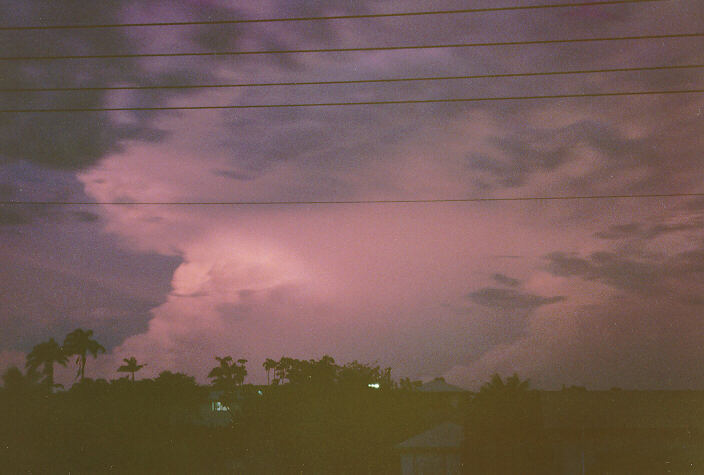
(438,385)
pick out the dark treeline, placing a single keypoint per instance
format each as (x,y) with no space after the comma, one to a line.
(314,416)
(318,416)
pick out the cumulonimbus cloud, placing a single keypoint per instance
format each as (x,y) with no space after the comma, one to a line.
(418,287)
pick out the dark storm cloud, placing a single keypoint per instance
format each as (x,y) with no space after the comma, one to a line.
(606,267)
(645,334)
(510,299)
(48,297)
(274,36)
(32,317)
(217,37)
(518,154)
(65,273)
(640,231)
(525,147)
(295,136)
(621,231)
(570,146)
(498,316)
(16,215)
(647,275)
(313,142)
(31,182)
(522,153)
(506,280)
(77,140)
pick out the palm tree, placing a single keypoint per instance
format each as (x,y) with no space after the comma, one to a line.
(269,364)
(79,343)
(45,355)
(511,387)
(240,371)
(228,374)
(222,374)
(226,377)
(503,426)
(283,368)
(130,366)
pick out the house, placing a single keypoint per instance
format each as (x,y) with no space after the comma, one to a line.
(218,413)
(436,451)
(440,389)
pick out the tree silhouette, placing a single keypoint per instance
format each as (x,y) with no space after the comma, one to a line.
(407,385)
(130,366)
(45,355)
(359,375)
(14,380)
(323,372)
(226,377)
(269,364)
(12,377)
(79,343)
(228,374)
(503,428)
(283,369)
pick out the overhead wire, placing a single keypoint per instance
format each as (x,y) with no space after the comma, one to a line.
(351,81)
(355,202)
(360,103)
(348,50)
(389,102)
(328,17)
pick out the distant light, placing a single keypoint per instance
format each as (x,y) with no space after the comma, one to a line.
(260,392)
(373,385)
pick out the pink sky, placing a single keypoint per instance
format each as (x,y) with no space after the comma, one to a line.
(596,292)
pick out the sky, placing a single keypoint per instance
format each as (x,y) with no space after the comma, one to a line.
(593,292)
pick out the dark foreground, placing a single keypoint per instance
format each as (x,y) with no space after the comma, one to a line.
(170,425)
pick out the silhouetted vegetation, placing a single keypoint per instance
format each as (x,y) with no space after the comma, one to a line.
(80,344)
(504,429)
(98,426)
(131,366)
(318,416)
(46,355)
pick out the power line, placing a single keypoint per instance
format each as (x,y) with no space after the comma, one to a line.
(318,18)
(362,103)
(352,81)
(343,202)
(347,50)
